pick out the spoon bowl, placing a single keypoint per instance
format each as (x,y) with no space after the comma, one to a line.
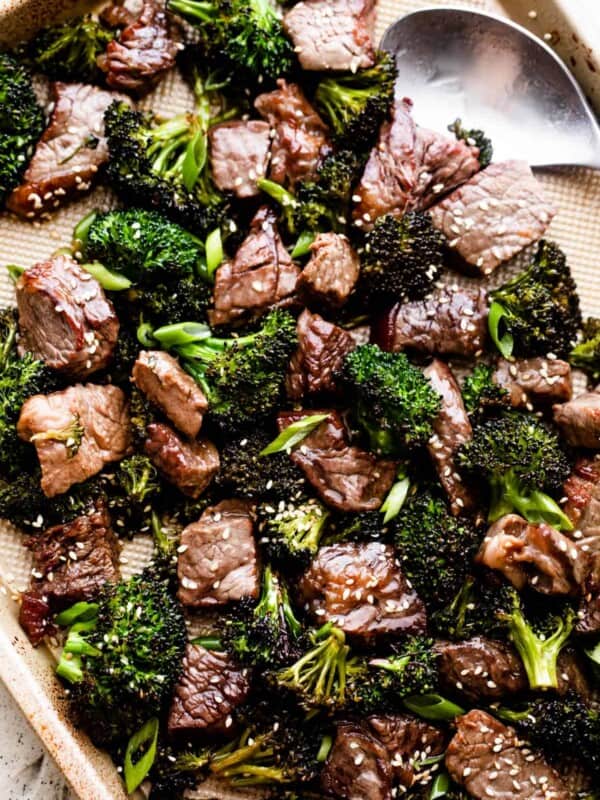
(496,76)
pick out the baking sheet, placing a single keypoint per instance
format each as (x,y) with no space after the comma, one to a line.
(28,673)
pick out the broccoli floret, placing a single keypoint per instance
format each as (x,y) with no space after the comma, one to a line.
(363,526)
(476,138)
(586,353)
(164,165)
(246,474)
(521,458)
(402,259)
(174,771)
(480,393)
(436,549)
(477,610)
(394,402)
(134,648)
(291,532)
(187,298)
(21,123)
(266,633)
(68,51)
(247,34)
(140,415)
(355,104)
(242,377)
(133,489)
(537,312)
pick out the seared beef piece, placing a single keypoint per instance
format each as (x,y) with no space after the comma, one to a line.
(35,618)
(332,34)
(409,168)
(210,688)
(239,153)
(261,276)
(159,376)
(489,760)
(534,555)
(361,589)
(191,466)
(76,432)
(358,766)
(65,318)
(533,381)
(346,477)
(579,420)
(144,51)
(408,740)
(300,137)
(451,321)
(480,669)
(219,563)
(70,152)
(322,347)
(494,216)
(332,271)
(572,674)
(451,430)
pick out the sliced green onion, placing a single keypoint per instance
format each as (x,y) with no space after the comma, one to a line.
(326,744)
(303,244)
(433,707)
(594,654)
(440,786)
(182,333)
(145,334)
(109,280)
(293,434)
(539,507)
(79,612)
(77,645)
(14,271)
(70,668)
(395,498)
(80,233)
(194,161)
(504,342)
(214,252)
(145,740)
(208,642)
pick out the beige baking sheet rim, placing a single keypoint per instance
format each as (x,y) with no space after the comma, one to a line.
(28,673)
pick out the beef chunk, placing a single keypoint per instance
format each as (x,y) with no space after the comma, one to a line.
(191,466)
(408,741)
(332,271)
(35,618)
(177,394)
(65,318)
(579,420)
(534,555)
(70,152)
(486,756)
(494,216)
(76,432)
(211,687)
(144,51)
(322,347)
(300,137)
(409,168)
(451,321)
(332,34)
(239,153)
(451,430)
(481,669)
(361,589)
(358,766)
(262,275)
(346,477)
(218,564)
(533,381)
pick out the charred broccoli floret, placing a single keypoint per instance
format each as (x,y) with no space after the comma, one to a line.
(68,51)
(537,312)
(21,123)
(476,138)
(363,526)
(521,458)
(134,488)
(481,393)
(394,402)
(476,610)
(402,259)
(242,377)
(586,353)
(355,104)
(291,532)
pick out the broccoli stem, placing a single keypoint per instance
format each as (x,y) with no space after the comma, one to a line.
(508,495)
(71,435)
(503,341)
(274,602)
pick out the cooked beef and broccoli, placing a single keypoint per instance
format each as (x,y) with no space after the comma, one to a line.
(284,355)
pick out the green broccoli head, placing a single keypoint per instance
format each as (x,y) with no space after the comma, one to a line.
(481,393)
(133,490)
(412,670)
(537,312)
(21,123)
(402,259)
(477,609)
(586,353)
(68,51)
(436,549)
(291,532)
(355,104)
(395,403)
(476,138)
(183,299)
(521,458)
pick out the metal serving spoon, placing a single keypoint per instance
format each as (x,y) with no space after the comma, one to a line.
(496,76)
